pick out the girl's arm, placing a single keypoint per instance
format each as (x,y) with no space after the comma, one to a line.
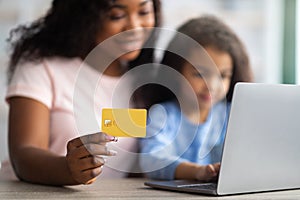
(31,158)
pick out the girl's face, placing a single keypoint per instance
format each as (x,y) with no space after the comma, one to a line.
(211,81)
(131,16)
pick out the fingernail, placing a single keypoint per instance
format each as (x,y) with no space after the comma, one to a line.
(102,161)
(111,138)
(112,152)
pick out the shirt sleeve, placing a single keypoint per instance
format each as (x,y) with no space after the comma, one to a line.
(159,158)
(31,80)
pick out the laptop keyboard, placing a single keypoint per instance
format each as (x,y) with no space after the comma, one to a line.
(206,186)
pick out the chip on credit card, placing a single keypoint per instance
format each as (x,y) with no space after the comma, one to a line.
(124,122)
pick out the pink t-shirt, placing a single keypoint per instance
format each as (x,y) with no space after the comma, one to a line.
(75,94)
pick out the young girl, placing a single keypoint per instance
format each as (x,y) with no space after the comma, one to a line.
(186,129)
(46,102)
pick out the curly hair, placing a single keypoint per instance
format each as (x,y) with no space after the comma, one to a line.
(69,29)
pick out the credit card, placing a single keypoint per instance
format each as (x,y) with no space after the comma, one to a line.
(124,122)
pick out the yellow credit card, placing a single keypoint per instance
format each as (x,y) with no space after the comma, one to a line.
(124,122)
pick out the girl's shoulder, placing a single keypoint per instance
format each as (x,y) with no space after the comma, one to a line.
(168,107)
(220,111)
(166,111)
(221,106)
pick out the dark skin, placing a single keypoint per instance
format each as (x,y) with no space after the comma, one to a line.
(29,120)
(188,170)
(30,153)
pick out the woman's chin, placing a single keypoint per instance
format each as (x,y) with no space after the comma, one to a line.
(130,56)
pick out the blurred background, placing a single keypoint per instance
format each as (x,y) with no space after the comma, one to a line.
(268,29)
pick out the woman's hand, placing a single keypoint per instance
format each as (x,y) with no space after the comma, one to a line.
(208,172)
(84,156)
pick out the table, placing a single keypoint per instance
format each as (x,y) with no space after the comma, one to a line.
(130,188)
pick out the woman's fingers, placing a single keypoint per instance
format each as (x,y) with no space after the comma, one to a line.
(96,138)
(90,181)
(91,149)
(87,176)
(84,156)
(90,163)
(86,168)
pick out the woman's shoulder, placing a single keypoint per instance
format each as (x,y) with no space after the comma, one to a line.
(62,62)
(48,63)
(43,75)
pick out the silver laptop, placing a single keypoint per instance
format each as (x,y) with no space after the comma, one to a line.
(262,145)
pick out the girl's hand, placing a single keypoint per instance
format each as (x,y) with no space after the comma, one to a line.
(208,172)
(84,156)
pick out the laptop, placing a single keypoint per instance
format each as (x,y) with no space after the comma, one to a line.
(262,145)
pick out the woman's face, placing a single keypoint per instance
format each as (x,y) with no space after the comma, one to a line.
(211,80)
(131,16)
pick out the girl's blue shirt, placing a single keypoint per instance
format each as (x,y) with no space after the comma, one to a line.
(173,139)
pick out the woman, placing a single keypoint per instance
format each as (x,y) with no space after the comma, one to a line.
(46,61)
